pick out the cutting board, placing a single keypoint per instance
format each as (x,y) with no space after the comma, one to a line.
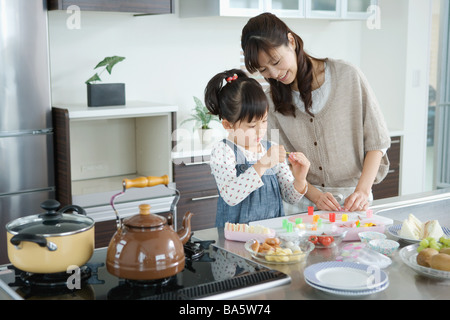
(327,226)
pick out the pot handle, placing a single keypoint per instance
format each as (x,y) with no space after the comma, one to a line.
(73,207)
(39,240)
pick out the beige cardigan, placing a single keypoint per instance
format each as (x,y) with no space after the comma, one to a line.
(336,139)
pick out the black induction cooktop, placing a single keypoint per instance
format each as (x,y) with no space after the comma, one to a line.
(210,273)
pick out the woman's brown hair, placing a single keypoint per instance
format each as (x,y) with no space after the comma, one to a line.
(267,32)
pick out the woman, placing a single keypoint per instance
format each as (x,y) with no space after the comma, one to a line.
(323,108)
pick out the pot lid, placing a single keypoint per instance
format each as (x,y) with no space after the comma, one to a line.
(52,222)
(145,219)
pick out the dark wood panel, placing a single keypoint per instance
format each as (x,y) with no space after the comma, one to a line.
(193,178)
(389,187)
(60,118)
(137,6)
(394,152)
(204,210)
(104,231)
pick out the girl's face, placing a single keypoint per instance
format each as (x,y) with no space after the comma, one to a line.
(280,64)
(247,134)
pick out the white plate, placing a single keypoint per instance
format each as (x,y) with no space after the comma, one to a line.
(350,293)
(345,276)
(409,257)
(395,232)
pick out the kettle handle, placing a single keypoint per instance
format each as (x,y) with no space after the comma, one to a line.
(143,182)
(140,182)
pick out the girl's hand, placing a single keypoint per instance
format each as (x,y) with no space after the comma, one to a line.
(300,166)
(275,155)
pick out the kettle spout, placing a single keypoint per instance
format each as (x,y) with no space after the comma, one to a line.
(185,232)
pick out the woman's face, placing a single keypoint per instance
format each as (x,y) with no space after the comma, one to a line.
(280,64)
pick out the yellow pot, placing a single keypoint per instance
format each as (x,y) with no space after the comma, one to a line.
(50,242)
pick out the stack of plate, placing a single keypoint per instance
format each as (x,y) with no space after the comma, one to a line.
(346,278)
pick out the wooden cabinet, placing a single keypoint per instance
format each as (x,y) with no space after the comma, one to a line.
(137,6)
(198,191)
(390,186)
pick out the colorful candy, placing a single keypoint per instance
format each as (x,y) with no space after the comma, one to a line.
(332,217)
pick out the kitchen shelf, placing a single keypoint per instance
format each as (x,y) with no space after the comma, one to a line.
(130,110)
(97,147)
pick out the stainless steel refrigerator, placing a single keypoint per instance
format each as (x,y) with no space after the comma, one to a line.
(26,135)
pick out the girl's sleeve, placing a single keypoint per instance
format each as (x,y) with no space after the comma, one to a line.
(286,181)
(223,167)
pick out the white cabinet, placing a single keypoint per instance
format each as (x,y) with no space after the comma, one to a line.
(323,8)
(358,9)
(339,9)
(241,8)
(287,8)
(313,9)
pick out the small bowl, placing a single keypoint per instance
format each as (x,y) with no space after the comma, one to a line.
(367,236)
(337,238)
(384,246)
(280,258)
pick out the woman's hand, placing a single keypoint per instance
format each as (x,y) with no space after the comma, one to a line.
(327,202)
(357,201)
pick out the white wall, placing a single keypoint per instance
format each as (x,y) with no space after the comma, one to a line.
(395,59)
(168,59)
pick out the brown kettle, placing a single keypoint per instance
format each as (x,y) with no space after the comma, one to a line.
(145,246)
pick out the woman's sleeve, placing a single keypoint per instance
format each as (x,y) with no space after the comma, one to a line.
(376,133)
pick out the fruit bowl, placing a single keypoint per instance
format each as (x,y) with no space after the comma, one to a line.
(283,254)
(409,254)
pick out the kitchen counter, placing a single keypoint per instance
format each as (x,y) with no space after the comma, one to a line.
(405,283)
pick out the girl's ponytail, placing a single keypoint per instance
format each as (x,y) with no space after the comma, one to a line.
(212,94)
(234,96)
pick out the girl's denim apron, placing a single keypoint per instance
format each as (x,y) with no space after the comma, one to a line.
(263,203)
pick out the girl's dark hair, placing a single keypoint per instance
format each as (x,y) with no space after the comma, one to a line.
(267,32)
(237,100)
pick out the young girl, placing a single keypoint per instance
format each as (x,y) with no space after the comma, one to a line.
(252,174)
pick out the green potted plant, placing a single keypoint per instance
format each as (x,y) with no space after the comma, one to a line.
(105,94)
(202,118)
